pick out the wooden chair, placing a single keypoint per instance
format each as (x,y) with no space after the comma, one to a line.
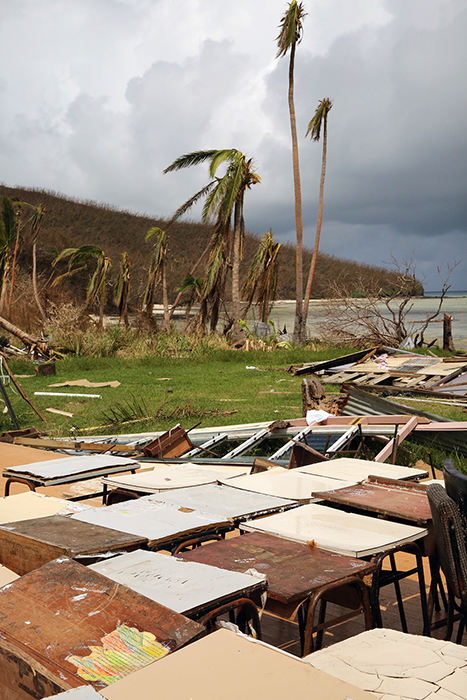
(452,554)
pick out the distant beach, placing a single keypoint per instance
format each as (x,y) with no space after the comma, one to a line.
(455,304)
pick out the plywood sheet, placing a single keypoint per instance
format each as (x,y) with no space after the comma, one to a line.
(157,521)
(6,576)
(24,506)
(17,455)
(70,466)
(286,483)
(229,666)
(186,587)
(63,613)
(231,503)
(346,533)
(358,469)
(175,477)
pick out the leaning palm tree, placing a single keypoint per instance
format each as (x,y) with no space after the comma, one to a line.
(224,199)
(320,119)
(261,283)
(157,273)
(291,30)
(78,260)
(122,289)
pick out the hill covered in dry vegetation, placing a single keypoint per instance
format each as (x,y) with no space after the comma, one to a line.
(70,223)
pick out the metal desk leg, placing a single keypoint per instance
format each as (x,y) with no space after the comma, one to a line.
(316,597)
(394,578)
(18,480)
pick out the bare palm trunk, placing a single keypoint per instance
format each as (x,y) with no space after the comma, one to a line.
(165,300)
(314,257)
(236,259)
(298,334)
(34,283)
(192,272)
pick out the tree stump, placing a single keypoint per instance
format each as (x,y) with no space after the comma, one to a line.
(448,343)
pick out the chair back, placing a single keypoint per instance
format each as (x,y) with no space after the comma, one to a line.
(449,539)
(456,487)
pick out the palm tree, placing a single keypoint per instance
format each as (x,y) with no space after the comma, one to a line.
(157,273)
(262,277)
(224,198)
(122,289)
(36,220)
(194,286)
(320,119)
(8,232)
(291,30)
(79,259)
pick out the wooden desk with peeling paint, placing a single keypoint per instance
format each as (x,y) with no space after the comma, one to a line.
(68,470)
(52,618)
(163,525)
(235,504)
(28,544)
(294,571)
(189,588)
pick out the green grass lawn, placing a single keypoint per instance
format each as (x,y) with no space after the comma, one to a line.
(156,392)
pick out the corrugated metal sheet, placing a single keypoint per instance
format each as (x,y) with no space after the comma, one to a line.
(362,403)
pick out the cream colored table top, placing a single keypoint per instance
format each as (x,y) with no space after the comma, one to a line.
(392,665)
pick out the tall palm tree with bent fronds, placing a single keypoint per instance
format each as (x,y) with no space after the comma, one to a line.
(78,260)
(224,199)
(261,282)
(157,273)
(320,119)
(291,31)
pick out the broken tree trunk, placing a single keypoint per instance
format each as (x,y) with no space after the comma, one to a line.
(448,343)
(28,340)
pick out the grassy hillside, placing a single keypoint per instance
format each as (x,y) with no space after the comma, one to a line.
(72,223)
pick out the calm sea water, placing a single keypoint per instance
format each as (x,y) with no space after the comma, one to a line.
(454,304)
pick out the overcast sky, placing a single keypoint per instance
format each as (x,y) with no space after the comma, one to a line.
(99,96)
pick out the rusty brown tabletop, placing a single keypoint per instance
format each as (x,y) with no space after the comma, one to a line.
(63,626)
(296,572)
(390,498)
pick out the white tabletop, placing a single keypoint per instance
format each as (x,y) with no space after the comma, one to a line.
(174,477)
(28,505)
(335,530)
(392,664)
(359,469)
(72,466)
(231,503)
(287,483)
(146,517)
(183,586)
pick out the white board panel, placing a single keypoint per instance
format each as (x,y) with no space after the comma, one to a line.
(287,483)
(175,477)
(146,517)
(335,530)
(182,586)
(359,469)
(69,466)
(231,503)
